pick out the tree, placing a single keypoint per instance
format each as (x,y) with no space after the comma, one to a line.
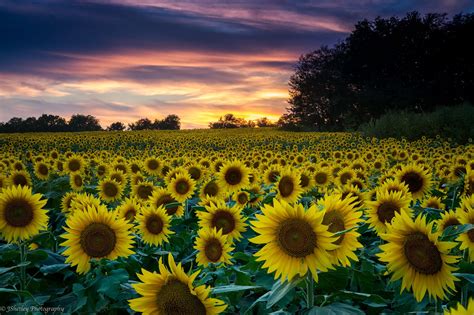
(50,123)
(80,122)
(116,126)
(414,62)
(171,122)
(264,122)
(228,121)
(141,124)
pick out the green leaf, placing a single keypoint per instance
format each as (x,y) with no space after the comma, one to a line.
(233,288)
(469,277)
(280,289)
(335,309)
(110,285)
(53,268)
(456,229)
(6,269)
(345,231)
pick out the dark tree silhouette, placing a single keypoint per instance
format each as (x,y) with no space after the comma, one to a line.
(228,121)
(141,124)
(171,122)
(264,122)
(414,62)
(80,122)
(116,126)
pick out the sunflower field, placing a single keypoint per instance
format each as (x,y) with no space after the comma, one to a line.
(248,221)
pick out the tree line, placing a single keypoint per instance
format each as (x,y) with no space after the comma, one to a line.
(414,63)
(232,121)
(79,122)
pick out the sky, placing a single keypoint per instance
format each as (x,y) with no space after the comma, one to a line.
(130,59)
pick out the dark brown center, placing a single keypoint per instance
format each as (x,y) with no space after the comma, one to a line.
(223,220)
(296,238)
(213,250)
(18,212)
(175,298)
(154,224)
(98,240)
(422,254)
(233,176)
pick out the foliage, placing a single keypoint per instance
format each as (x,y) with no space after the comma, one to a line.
(454,123)
(412,63)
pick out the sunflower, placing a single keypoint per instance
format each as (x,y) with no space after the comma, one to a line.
(161,197)
(256,194)
(272,174)
(345,175)
(66,201)
(210,189)
(467,238)
(416,178)
(448,218)
(322,177)
(153,225)
(3,182)
(434,203)
(233,176)
(152,166)
(225,218)
(82,201)
(41,170)
(172,292)
(110,190)
(340,215)
(393,184)
(128,209)
(21,213)
(383,210)
(288,186)
(419,257)
(460,310)
(76,180)
(143,190)
(95,233)
(21,178)
(181,187)
(306,180)
(74,164)
(241,198)
(213,247)
(469,183)
(294,240)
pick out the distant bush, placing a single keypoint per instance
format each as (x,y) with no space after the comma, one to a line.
(448,122)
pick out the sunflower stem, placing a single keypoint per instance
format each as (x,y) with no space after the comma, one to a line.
(310,291)
(464,295)
(23,254)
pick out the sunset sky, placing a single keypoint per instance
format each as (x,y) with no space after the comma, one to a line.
(124,60)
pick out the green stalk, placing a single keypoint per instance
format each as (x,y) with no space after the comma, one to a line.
(310,291)
(23,253)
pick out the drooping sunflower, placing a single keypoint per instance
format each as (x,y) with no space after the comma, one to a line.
(467,238)
(295,240)
(172,292)
(288,186)
(161,197)
(110,190)
(393,184)
(42,170)
(233,176)
(21,213)
(340,215)
(382,211)
(272,174)
(154,225)
(221,216)
(128,209)
(181,187)
(460,310)
(256,194)
(416,178)
(419,257)
(82,201)
(95,233)
(213,247)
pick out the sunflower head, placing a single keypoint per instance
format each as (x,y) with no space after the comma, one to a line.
(419,257)
(233,176)
(223,217)
(382,211)
(95,233)
(288,186)
(181,186)
(21,213)
(213,247)
(161,197)
(154,224)
(416,178)
(171,291)
(110,190)
(292,236)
